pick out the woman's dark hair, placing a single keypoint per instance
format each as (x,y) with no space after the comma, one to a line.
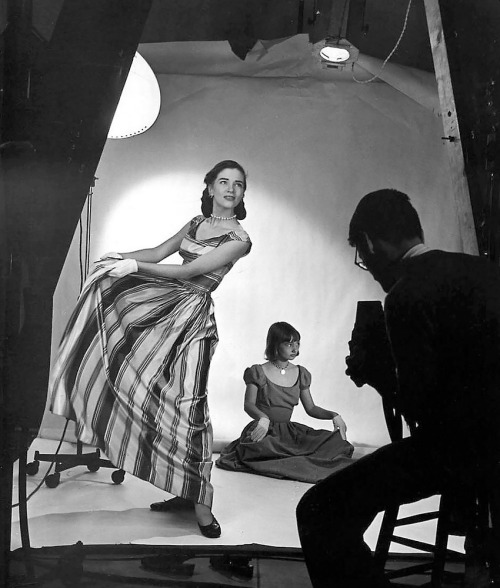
(279,333)
(385,214)
(207,203)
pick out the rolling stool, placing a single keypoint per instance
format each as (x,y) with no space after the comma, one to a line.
(62,462)
(93,461)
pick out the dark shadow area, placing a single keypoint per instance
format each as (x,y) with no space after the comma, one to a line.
(105,566)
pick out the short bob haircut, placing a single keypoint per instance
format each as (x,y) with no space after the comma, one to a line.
(385,214)
(207,203)
(279,333)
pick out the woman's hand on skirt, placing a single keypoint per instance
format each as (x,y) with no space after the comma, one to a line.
(111,255)
(123,268)
(339,425)
(107,260)
(260,430)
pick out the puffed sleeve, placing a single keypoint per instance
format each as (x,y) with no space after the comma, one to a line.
(240,235)
(254,375)
(304,378)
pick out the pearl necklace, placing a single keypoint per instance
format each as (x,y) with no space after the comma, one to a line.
(281,368)
(222,217)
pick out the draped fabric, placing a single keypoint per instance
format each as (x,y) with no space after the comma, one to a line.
(132,371)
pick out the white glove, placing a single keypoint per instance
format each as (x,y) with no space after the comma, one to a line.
(338,424)
(111,255)
(123,268)
(260,430)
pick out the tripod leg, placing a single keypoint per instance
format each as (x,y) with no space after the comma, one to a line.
(23,515)
(6,478)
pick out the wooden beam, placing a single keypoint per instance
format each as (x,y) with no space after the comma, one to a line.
(451,128)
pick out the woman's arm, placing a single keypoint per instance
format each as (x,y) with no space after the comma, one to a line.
(224,254)
(321,413)
(311,409)
(165,249)
(260,430)
(250,403)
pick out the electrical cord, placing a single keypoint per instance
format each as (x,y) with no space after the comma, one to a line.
(87,233)
(84,250)
(80,249)
(376,76)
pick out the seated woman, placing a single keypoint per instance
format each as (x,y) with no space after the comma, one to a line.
(271,444)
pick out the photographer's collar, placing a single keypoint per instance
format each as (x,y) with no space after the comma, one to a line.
(415,250)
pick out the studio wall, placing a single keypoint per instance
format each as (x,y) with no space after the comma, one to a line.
(313,141)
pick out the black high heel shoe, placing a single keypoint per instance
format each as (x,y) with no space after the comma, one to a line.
(212,531)
(176,504)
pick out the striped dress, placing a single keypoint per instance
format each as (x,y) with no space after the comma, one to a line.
(132,371)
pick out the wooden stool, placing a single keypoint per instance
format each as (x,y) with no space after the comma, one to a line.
(472,512)
(439,549)
(370,362)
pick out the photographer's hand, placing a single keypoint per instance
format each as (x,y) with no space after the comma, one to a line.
(355,363)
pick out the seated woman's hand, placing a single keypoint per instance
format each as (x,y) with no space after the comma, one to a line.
(339,425)
(260,430)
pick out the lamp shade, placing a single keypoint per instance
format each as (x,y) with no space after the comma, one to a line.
(334,54)
(338,53)
(139,103)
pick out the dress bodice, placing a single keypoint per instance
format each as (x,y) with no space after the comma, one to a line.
(276,401)
(191,248)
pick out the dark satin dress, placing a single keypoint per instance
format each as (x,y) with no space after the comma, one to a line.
(289,450)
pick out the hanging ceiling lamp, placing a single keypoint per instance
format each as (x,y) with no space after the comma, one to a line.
(338,52)
(139,103)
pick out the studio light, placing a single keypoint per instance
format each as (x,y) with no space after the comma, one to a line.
(338,53)
(139,103)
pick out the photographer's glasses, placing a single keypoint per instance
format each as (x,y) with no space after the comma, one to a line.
(359,262)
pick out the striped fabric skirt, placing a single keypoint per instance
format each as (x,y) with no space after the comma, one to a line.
(132,372)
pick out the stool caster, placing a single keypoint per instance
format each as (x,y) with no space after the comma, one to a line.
(53,480)
(32,467)
(92,467)
(118,476)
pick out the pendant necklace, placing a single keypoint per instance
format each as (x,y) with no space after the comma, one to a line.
(281,368)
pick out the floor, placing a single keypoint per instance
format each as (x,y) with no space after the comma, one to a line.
(88,507)
(251,509)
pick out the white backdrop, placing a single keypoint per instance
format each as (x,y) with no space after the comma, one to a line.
(313,143)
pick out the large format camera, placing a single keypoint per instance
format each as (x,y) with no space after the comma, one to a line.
(370,360)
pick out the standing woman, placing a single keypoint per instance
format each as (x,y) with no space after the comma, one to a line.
(134,359)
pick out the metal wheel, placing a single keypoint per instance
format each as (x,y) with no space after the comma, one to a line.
(118,476)
(52,481)
(32,467)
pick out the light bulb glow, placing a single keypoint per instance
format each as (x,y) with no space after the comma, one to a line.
(334,54)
